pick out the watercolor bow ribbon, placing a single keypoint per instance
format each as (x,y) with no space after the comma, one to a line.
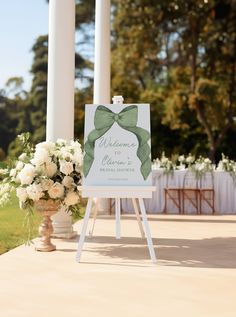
(127,119)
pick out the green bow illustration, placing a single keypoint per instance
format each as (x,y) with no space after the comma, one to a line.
(127,119)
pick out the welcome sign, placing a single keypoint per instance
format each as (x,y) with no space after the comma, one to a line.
(117,145)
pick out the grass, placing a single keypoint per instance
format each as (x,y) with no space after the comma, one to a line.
(12,230)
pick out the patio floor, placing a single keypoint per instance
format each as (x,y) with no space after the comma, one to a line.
(195,274)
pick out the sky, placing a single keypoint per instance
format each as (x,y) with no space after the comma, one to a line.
(21,22)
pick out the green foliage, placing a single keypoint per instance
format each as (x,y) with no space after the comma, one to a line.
(9,114)
(37,100)
(85,11)
(186,51)
(82,97)
(14,84)
(177,55)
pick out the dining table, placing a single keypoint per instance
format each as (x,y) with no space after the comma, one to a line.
(221,182)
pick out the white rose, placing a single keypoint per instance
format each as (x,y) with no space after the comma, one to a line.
(75,144)
(56,190)
(164,160)
(23,157)
(50,169)
(181,158)
(21,193)
(78,157)
(35,191)
(78,168)
(61,142)
(66,167)
(71,198)
(189,159)
(47,145)
(19,165)
(201,166)
(41,156)
(65,154)
(13,172)
(27,174)
(68,181)
(46,183)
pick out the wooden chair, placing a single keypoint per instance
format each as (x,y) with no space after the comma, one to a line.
(172,194)
(207,193)
(190,192)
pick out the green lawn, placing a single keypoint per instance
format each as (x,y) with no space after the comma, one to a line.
(12,229)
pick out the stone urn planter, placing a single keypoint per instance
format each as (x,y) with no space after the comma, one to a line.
(46,208)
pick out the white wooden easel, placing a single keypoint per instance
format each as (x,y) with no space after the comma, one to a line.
(117,213)
(118,192)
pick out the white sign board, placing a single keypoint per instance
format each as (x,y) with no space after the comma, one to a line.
(117,145)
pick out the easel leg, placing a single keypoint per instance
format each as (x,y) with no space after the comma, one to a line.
(84,228)
(117,201)
(138,217)
(95,213)
(147,230)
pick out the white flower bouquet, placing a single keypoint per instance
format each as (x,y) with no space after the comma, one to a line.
(166,164)
(227,165)
(190,159)
(201,166)
(181,160)
(50,170)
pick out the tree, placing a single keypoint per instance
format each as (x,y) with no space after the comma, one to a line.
(37,100)
(85,15)
(14,86)
(11,113)
(7,125)
(184,51)
(212,56)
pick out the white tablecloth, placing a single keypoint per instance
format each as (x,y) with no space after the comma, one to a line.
(225,193)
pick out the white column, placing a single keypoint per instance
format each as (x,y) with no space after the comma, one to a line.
(60,97)
(102,65)
(102,59)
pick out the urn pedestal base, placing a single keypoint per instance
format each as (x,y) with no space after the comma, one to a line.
(46,208)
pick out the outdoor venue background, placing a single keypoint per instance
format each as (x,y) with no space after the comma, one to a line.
(179,56)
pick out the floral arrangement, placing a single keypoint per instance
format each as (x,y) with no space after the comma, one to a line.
(50,170)
(199,166)
(227,165)
(190,159)
(163,163)
(179,163)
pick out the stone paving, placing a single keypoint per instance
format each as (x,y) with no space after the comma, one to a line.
(195,274)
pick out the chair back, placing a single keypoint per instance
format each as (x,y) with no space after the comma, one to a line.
(207,181)
(190,181)
(170,181)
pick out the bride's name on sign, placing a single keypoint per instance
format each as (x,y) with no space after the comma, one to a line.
(117,145)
